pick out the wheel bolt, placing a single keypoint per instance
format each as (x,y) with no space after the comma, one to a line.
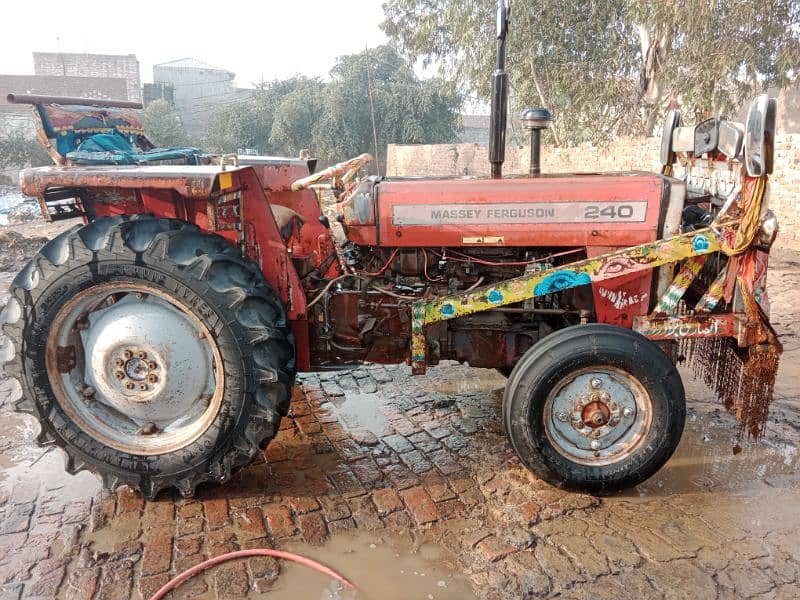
(87,392)
(119,362)
(153,365)
(127,354)
(595,444)
(152,378)
(562,417)
(143,387)
(149,429)
(129,385)
(141,354)
(596,383)
(627,412)
(119,375)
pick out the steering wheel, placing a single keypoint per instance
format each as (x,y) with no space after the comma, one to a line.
(341,172)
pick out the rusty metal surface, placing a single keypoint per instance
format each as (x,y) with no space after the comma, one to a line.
(70,100)
(188,181)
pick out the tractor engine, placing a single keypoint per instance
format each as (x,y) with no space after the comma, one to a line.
(407,239)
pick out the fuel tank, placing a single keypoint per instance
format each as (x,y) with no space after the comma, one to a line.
(606,210)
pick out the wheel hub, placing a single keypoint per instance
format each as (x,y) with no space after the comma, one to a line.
(146,377)
(143,334)
(597,415)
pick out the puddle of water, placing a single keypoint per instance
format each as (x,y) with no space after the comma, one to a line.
(363,411)
(23,460)
(382,568)
(705,461)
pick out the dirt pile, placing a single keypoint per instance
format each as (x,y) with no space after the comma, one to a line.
(16,250)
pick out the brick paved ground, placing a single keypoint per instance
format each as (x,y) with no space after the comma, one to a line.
(376,450)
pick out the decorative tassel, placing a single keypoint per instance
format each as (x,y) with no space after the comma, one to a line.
(745,384)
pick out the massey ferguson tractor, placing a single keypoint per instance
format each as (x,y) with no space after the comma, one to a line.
(157,343)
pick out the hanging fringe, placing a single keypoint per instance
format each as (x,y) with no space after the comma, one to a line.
(744,379)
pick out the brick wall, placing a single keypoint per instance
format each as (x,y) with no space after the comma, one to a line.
(92,65)
(621,155)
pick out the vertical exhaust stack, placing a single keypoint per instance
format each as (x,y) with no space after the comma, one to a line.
(497,126)
(534,120)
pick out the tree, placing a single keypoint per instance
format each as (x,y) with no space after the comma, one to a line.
(334,119)
(18,150)
(248,123)
(604,67)
(162,125)
(407,110)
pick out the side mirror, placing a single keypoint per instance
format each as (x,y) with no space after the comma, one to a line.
(672,121)
(759,138)
(706,134)
(731,136)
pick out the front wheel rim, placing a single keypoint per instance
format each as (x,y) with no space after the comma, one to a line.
(597,416)
(134,368)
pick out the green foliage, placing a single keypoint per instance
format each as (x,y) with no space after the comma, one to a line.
(162,125)
(18,149)
(333,119)
(608,68)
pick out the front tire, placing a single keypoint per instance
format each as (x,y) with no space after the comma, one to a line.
(151,352)
(595,408)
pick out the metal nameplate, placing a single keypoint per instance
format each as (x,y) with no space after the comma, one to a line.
(509,213)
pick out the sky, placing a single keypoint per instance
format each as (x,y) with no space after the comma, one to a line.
(256,40)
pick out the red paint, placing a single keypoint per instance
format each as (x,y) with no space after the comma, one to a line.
(477,192)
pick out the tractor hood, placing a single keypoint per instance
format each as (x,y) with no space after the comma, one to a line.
(556,210)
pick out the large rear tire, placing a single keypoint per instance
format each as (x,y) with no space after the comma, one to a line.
(594,408)
(151,352)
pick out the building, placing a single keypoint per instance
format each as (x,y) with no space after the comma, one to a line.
(198,89)
(116,66)
(158,91)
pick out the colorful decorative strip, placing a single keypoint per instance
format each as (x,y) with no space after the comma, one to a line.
(689,270)
(711,298)
(688,326)
(601,268)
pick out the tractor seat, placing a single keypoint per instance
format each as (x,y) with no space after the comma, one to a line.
(289,222)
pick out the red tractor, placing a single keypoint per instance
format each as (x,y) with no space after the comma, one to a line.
(157,343)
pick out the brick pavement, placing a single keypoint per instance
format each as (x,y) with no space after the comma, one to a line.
(376,450)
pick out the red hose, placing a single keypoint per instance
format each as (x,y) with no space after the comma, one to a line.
(189,573)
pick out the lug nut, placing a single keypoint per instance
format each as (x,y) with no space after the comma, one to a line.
(627,412)
(119,375)
(119,362)
(148,429)
(127,354)
(153,365)
(129,385)
(143,387)
(595,444)
(562,417)
(596,382)
(152,378)
(87,392)
(141,354)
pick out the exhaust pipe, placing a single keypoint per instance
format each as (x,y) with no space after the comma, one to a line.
(497,124)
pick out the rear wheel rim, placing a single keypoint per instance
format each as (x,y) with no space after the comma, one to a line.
(597,416)
(134,368)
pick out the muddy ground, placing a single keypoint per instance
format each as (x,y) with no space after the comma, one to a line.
(408,486)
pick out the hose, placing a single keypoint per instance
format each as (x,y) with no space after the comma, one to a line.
(307,562)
